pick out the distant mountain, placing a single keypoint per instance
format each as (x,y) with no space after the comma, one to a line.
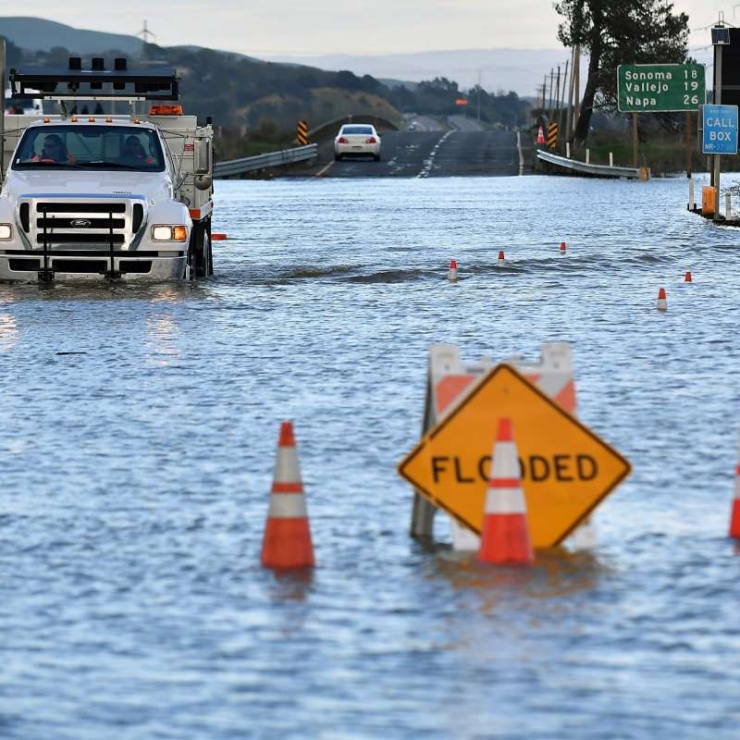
(38,34)
(518,70)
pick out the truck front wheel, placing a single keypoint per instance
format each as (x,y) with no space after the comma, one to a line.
(200,253)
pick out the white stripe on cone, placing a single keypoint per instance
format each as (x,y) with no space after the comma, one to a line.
(287,469)
(505,501)
(287,506)
(505,461)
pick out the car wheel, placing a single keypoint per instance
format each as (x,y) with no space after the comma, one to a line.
(337,157)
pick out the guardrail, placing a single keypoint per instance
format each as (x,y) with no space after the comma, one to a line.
(265,161)
(586,168)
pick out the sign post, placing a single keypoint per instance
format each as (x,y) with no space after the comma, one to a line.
(719,137)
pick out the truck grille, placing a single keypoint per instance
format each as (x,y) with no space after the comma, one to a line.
(75,223)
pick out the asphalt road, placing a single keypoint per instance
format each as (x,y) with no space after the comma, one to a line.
(431,154)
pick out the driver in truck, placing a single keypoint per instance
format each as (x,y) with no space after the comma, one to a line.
(53,151)
(133,150)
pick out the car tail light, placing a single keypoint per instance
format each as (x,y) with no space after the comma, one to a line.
(371,140)
(342,140)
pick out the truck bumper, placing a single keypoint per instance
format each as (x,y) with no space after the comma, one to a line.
(24,266)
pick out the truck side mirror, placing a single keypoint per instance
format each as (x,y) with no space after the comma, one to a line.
(202,156)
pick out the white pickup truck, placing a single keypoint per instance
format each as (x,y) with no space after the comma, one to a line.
(105,196)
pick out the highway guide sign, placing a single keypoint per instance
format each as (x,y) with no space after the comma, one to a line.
(720,129)
(660,88)
(566,469)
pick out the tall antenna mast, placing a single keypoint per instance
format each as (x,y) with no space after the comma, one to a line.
(145,34)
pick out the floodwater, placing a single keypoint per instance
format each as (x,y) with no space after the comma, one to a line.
(139,428)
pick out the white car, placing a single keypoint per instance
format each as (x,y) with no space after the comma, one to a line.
(357,140)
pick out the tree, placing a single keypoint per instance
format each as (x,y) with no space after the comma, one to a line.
(615,32)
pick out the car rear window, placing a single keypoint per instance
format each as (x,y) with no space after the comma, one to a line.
(357,129)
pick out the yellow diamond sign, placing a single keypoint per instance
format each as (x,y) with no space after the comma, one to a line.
(566,469)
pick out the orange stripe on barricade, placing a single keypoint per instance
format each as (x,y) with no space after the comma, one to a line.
(449,388)
(567,397)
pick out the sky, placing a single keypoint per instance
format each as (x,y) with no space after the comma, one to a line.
(264,28)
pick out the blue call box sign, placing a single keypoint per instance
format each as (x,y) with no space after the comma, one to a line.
(720,129)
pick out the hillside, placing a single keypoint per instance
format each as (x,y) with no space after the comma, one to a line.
(38,34)
(241,93)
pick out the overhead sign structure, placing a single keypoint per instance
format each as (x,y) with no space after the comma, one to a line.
(720,129)
(566,469)
(660,88)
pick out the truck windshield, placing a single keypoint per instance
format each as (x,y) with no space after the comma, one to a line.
(97,146)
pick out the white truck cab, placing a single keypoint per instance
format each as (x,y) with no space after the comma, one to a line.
(116,197)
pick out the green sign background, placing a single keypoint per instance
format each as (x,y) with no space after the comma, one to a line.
(660,88)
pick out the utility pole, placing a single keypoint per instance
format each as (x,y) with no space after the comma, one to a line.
(571,86)
(479,89)
(2,108)
(576,87)
(561,106)
(717,101)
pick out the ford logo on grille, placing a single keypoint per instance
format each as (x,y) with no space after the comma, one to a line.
(80,223)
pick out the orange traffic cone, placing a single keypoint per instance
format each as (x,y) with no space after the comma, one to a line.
(662,304)
(540,136)
(287,540)
(505,537)
(562,247)
(501,258)
(452,272)
(687,277)
(735,518)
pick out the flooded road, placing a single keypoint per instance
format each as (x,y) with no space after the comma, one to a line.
(138,437)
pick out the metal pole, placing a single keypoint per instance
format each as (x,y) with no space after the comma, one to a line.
(718,101)
(635,142)
(479,79)
(2,108)
(689,148)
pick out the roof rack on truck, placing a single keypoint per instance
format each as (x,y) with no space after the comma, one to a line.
(96,83)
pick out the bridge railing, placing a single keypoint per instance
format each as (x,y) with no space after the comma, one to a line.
(241,166)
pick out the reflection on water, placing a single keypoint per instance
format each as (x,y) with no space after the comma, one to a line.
(8,331)
(555,574)
(162,339)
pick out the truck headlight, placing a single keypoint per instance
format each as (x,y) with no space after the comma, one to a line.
(6,232)
(162,233)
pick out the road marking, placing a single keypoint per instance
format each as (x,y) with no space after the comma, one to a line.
(321,172)
(428,163)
